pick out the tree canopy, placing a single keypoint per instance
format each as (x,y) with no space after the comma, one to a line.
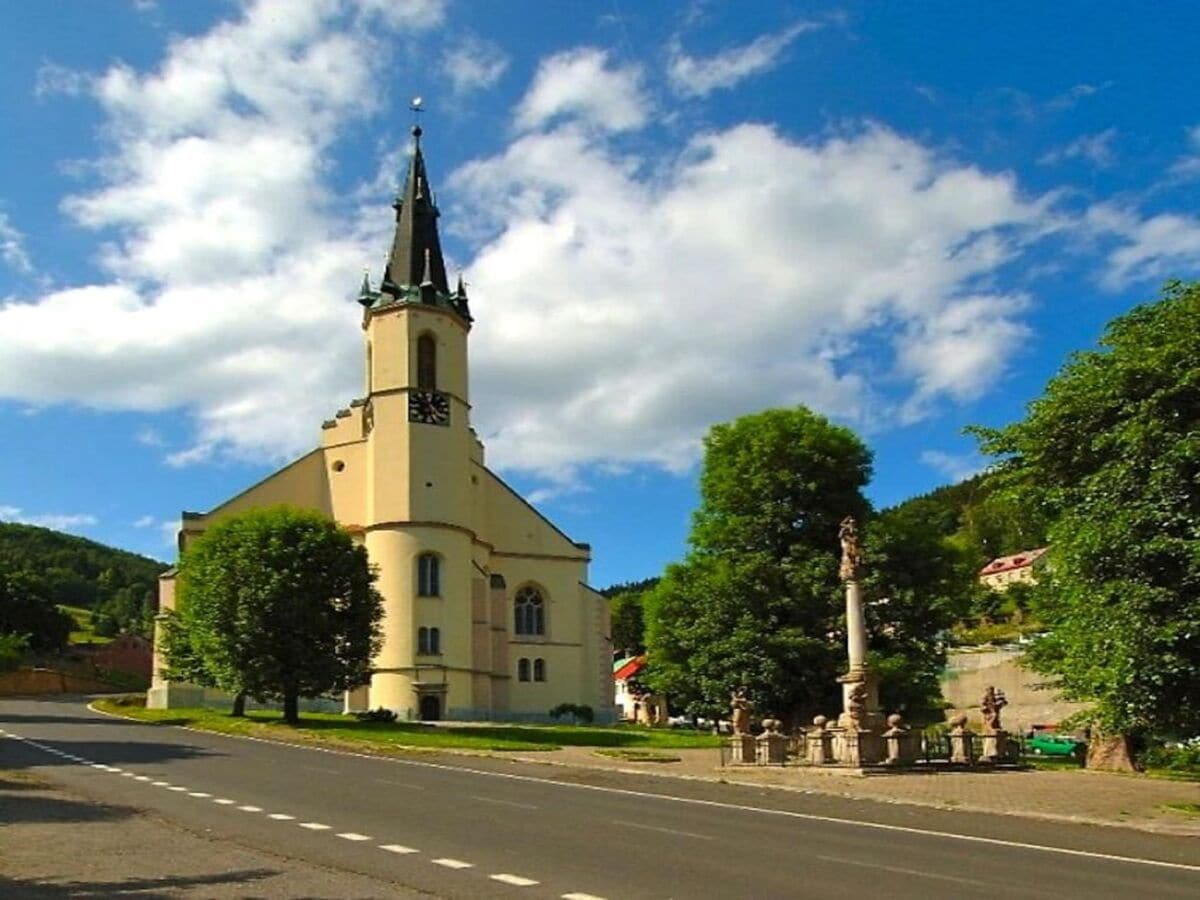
(757,601)
(27,611)
(120,587)
(274,603)
(1110,454)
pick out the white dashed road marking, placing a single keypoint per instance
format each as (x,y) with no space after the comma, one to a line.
(398,849)
(515,880)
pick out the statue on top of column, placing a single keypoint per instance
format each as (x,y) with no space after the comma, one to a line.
(851,550)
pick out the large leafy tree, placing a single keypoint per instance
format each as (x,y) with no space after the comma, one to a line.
(27,609)
(274,603)
(1111,455)
(757,601)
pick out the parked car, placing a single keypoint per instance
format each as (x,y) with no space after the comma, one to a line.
(1041,743)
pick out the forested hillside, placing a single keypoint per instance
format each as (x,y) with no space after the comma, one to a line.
(117,586)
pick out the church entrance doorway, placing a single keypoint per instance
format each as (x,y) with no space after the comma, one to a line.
(431,708)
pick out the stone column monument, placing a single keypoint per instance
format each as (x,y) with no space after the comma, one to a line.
(860,721)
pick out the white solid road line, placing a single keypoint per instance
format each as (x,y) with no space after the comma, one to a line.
(453,863)
(515,880)
(398,848)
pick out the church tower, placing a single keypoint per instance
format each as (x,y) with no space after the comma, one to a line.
(487,610)
(416,423)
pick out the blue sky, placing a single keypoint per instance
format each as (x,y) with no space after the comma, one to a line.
(669,215)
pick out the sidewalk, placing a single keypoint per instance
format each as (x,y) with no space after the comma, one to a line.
(1074,795)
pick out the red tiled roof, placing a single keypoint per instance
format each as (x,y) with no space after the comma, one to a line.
(629,668)
(1016,561)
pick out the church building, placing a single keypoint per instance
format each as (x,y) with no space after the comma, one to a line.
(487,611)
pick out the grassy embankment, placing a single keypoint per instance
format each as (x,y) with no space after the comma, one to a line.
(83,632)
(345,731)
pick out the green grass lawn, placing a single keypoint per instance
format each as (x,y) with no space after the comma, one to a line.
(384,736)
(82,633)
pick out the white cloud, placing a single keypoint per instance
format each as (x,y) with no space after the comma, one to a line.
(145,522)
(52,79)
(622,313)
(12,247)
(581,84)
(56,521)
(473,64)
(692,76)
(1188,165)
(1095,148)
(1143,248)
(150,437)
(229,271)
(955,466)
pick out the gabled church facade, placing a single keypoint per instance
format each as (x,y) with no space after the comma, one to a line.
(487,611)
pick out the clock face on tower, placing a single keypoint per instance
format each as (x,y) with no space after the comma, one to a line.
(429,408)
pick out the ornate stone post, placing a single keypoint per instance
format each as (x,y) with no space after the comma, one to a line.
(772,744)
(962,741)
(860,719)
(819,745)
(899,741)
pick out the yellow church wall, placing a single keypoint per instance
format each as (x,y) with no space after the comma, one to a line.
(303,483)
(514,526)
(387,449)
(346,470)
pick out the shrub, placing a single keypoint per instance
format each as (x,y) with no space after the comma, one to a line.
(577,711)
(13,650)
(376,715)
(1183,758)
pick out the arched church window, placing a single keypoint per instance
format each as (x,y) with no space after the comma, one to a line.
(529,612)
(539,670)
(426,362)
(522,669)
(429,575)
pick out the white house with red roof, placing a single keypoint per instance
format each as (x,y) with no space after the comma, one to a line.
(1004,571)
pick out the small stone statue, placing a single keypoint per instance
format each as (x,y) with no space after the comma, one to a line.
(741,706)
(856,705)
(851,550)
(993,702)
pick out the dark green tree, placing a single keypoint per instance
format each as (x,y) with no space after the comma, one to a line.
(276,604)
(1111,455)
(757,601)
(27,609)
(628,621)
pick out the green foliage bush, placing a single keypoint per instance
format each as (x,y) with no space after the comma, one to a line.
(577,711)
(13,650)
(376,715)
(1184,759)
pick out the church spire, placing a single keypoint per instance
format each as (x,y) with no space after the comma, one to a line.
(416,256)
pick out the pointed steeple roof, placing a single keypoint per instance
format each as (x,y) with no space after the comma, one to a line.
(416,256)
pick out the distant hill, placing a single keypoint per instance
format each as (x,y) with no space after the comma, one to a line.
(119,587)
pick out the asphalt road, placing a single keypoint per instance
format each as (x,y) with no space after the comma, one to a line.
(475,827)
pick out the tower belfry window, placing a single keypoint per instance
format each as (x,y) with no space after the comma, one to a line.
(426,362)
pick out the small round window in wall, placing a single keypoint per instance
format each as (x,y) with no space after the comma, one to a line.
(338,465)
